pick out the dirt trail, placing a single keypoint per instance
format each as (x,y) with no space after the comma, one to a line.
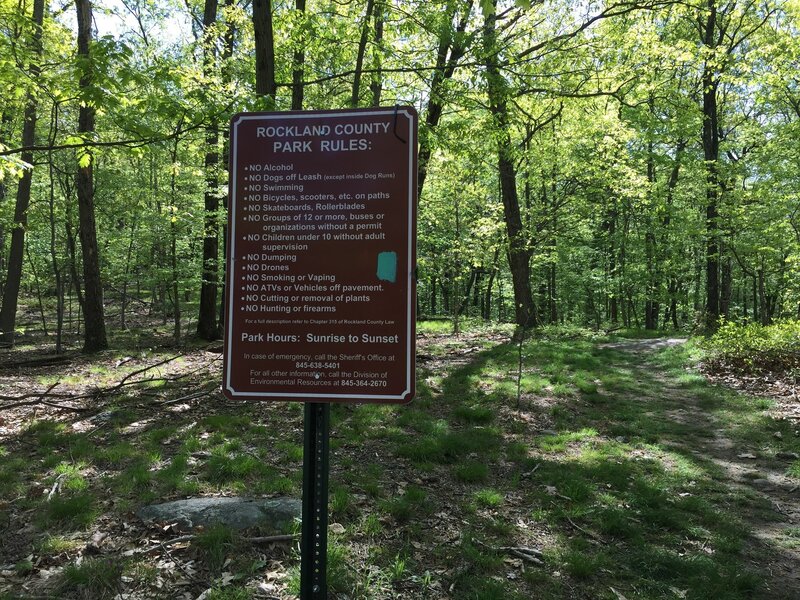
(772,550)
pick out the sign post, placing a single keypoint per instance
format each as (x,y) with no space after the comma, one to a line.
(314,534)
(320,288)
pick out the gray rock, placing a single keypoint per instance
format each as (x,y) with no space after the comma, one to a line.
(787,455)
(273,515)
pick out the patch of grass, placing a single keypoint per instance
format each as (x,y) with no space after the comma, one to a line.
(94,578)
(583,564)
(224,467)
(559,442)
(340,502)
(73,479)
(474,414)
(341,577)
(117,454)
(229,592)
(292,452)
(230,425)
(472,472)
(215,543)
(488,498)
(77,510)
(57,544)
(403,507)
(371,525)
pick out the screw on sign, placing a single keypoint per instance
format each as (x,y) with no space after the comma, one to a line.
(322,227)
(320,277)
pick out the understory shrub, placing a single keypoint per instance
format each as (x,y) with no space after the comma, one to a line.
(754,348)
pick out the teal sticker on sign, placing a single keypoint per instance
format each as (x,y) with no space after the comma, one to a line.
(387,266)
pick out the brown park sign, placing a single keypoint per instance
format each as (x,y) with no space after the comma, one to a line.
(320,289)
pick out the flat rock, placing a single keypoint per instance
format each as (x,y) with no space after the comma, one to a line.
(273,515)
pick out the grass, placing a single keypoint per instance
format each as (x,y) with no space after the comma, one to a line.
(601,466)
(215,543)
(94,578)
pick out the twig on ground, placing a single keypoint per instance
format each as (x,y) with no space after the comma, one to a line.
(531,555)
(269,539)
(56,487)
(193,396)
(594,536)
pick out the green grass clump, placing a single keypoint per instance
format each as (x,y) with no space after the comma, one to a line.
(215,544)
(476,414)
(488,498)
(229,592)
(403,507)
(95,579)
(224,467)
(77,510)
(472,472)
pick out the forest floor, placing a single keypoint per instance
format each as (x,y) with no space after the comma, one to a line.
(604,468)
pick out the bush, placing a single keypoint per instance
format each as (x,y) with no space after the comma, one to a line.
(753,348)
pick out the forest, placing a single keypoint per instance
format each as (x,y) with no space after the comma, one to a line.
(622,164)
(607,314)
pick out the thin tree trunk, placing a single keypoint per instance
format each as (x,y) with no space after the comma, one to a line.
(207,327)
(362,48)
(5,121)
(57,269)
(173,238)
(710,138)
(8,310)
(94,318)
(38,284)
(451,50)
(265,51)
(376,84)
(298,61)
(519,251)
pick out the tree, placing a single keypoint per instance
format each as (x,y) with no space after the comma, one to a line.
(207,327)
(93,310)
(8,310)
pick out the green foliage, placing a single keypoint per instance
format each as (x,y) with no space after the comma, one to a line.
(754,348)
(215,544)
(93,578)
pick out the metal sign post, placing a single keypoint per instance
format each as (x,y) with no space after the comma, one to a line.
(314,537)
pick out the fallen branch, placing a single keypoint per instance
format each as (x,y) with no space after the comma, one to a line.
(193,396)
(40,399)
(54,491)
(531,555)
(269,539)
(594,536)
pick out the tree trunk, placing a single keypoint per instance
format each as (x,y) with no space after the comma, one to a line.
(362,48)
(519,251)
(265,52)
(376,84)
(93,315)
(57,268)
(710,82)
(8,310)
(451,49)
(5,122)
(298,61)
(207,327)
(725,287)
